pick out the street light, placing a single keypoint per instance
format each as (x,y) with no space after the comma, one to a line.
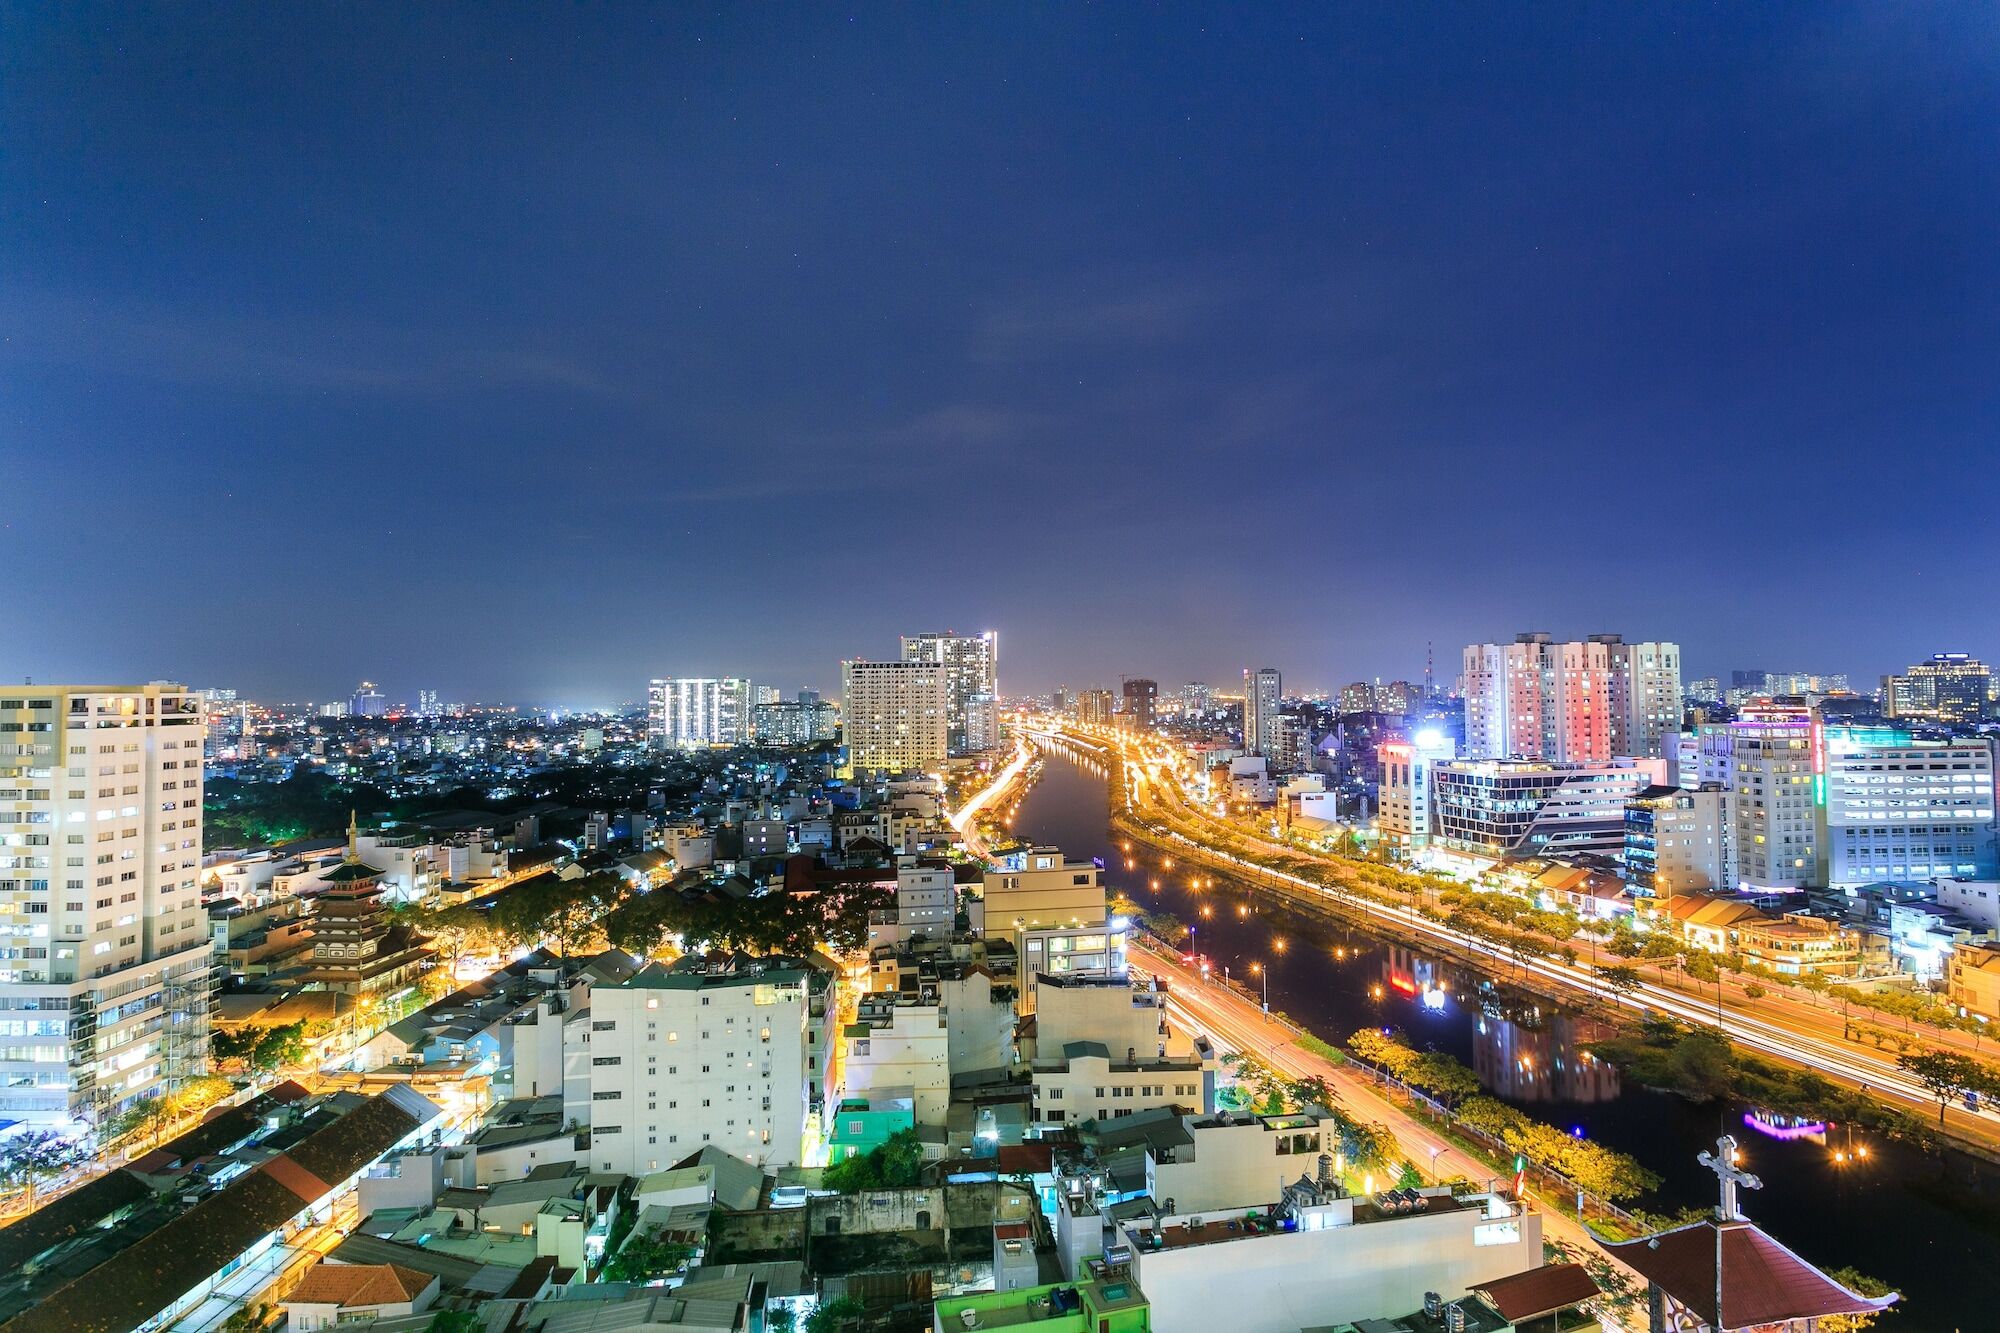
(1264,973)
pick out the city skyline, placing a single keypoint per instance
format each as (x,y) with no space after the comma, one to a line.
(709,306)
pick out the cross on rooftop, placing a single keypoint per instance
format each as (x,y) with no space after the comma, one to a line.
(1723,1162)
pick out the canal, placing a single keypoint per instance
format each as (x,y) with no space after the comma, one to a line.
(1925,1224)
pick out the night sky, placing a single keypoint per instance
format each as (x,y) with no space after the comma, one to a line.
(529,353)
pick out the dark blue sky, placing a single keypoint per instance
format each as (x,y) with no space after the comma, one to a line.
(532,352)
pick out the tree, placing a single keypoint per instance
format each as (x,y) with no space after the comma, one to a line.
(832,1316)
(1947,1074)
(1443,1077)
(1168,927)
(1854,1280)
(454,1321)
(34,1156)
(643,1258)
(1312,1090)
(894,1165)
(1703,1065)
(1621,980)
(452,931)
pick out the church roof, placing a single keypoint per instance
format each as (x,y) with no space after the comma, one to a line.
(1539,1291)
(1762,1281)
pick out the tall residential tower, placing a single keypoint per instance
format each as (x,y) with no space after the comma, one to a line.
(971,665)
(106,962)
(1579,702)
(687,712)
(894,715)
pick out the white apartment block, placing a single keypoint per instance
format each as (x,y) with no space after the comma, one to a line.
(104,973)
(1583,701)
(895,716)
(971,665)
(900,1048)
(1900,809)
(1085,1080)
(687,712)
(704,1051)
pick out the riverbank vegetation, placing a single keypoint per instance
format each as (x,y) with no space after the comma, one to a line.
(1703,1065)
(1595,1169)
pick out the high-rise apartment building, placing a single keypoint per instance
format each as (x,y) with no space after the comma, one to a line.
(1579,702)
(794,723)
(104,973)
(368,701)
(1359,697)
(1398,696)
(709,1050)
(1141,702)
(1764,760)
(894,715)
(687,712)
(1893,807)
(1262,689)
(1951,688)
(1094,707)
(427,704)
(971,665)
(1196,699)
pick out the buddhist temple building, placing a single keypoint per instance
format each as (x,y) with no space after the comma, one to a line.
(357,949)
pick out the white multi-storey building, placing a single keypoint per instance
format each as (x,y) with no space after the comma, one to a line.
(1407,793)
(1579,702)
(1896,808)
(895,715)
(105,961)
(708,1050)
(971,665)
(685,712)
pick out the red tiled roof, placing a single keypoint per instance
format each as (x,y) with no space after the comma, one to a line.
(1024,1159)
(359,1284)
(1762,1281)
(1538,1291)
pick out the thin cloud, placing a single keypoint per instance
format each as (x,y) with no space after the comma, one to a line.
(277,356)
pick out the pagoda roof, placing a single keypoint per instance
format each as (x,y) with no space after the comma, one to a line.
(1762,1282)
(350,872)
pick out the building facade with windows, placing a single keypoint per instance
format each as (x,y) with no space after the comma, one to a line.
(895,716)
(1952,688)
(1764,760)
(688,712)
(105,957)
(1520,807)
(1262,691)
(971,664)
(1583,701)
(1897,808)
(705,1050)
(1677,841)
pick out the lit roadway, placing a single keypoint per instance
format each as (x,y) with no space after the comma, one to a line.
(1154,777)
(1235,1023)
(961,818)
